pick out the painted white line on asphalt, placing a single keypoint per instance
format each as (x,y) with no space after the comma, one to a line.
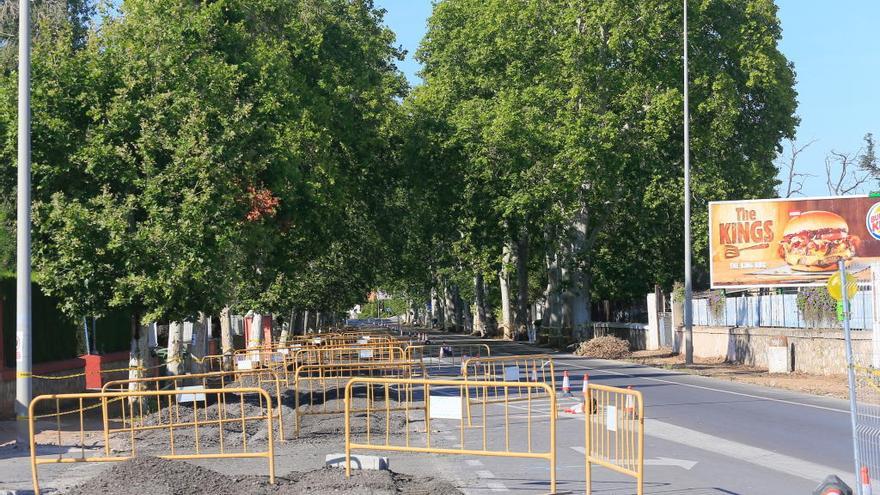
(741,394)
(740,451)
(473,463)
(660,461)
(485,474)
(496,486)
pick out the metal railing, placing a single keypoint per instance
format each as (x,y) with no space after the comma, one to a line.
(260,378)
(446,404)
(614,432)
(524,369)
(448,357)
(174,424)
(318,387)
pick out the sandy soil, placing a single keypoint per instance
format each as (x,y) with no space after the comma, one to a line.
(827,385)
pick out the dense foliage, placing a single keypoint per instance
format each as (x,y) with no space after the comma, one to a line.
(266,154)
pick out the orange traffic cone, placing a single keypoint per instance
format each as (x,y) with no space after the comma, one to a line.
(577,409)
(866,481)
(566,385)
(630,403)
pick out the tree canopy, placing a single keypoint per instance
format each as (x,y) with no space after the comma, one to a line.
(268,155)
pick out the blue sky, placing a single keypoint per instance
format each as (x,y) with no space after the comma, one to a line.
(835,47)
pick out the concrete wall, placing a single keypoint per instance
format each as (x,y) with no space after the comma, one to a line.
(819,352)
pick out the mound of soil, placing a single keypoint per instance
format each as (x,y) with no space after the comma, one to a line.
(604,348)
(160,477)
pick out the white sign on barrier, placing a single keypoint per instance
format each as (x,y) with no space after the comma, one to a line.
(200,397)
(316,341)
(611,418)
(283,351)
(511,373)
(445,407)
(366,353)
(244,364)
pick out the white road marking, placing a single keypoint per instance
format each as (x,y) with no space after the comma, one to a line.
(660,461)
(473,463)
(741,394)
(485,474)
(754,455)
(496,486)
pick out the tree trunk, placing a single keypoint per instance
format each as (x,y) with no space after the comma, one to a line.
(175,356)
(523,317)
(200,343)
(506,323)
(287,329)
(306,322)
(460,310)
(256,334)
(139,356)
(580,276)
(552,317)
(479,305)
(226,345)
(435,308)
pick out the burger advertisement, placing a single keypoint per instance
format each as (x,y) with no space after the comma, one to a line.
(792,242)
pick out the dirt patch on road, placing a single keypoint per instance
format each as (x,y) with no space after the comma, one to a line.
(158,476)
(827,385)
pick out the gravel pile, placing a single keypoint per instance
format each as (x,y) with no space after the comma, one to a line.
(603,348)
(159,477)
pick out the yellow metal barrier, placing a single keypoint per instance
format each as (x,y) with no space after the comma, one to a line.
(177,423)
(614,433)
(261,378)
(322,384)
(529,368)
(451,354)
(447,404)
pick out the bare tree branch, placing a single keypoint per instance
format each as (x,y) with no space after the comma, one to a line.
(794,183)
(849,177)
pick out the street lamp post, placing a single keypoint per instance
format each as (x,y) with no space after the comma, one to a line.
(688,290)
(23,229)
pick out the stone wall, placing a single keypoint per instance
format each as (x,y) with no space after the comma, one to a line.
(819,352)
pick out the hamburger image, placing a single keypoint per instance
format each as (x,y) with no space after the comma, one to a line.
(815,241)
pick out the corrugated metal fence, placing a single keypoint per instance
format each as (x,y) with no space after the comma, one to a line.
(774,310)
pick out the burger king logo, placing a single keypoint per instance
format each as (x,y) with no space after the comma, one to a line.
(872,221)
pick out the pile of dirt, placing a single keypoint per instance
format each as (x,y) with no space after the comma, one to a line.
(158,476)
(603,348)
(209,434)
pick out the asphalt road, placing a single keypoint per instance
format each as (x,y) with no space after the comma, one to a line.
(703,436)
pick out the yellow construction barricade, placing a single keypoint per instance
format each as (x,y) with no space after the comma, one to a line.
(266,379)
(318,388)
(180,434)
(426,400)
(614,433)
(448,357)
(525,369)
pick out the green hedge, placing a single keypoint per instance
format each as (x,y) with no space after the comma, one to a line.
(55,336)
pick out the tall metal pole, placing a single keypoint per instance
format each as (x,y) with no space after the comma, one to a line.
(850,372)
(688,290)
(23,228)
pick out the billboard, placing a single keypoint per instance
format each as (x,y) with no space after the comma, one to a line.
(791,242)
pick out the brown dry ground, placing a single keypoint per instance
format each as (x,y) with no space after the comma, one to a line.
(827,385)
